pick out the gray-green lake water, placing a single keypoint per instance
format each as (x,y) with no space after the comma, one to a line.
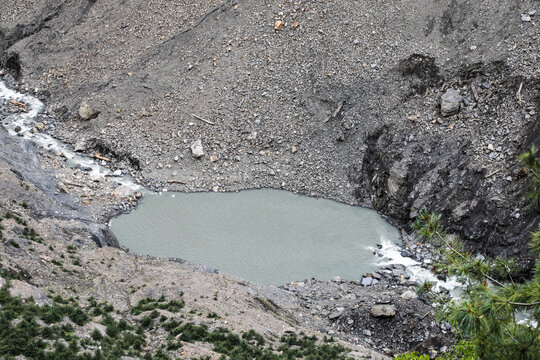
(265,236)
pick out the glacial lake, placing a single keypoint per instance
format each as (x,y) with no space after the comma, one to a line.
(264,236)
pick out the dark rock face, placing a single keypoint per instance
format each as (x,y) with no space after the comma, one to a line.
(453,173)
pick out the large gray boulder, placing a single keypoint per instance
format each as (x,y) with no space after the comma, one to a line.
(24,290)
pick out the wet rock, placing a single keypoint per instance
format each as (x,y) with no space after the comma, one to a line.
(197,149)
(383,311)
(86,112)
(450,102)
(123,192)
(367,281)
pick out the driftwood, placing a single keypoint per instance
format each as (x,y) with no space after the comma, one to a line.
(19,104)
(203,120)
(98,156)
(174,181)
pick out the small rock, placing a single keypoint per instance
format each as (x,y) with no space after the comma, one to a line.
(278,25)
(80,145)
(334,315)
(490,147)
(293,149)
(252,136)
(123,191)
(450,102)
(409,294)
(197,149)
(40,126)
(367,281)
(86,112)
(60,186)
(532,12)
(397,272)
(525,17)
(213,158)
(366,332)
(383,311)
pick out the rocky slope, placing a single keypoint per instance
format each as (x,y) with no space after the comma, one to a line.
(338,99)
(398,106)
(51,245)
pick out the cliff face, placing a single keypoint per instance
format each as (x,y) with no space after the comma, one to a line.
(467,170)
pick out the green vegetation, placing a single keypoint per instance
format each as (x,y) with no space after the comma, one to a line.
(487,313)
(464,350)
(251,345)
(532,167)
(28,233)
(50,332)
(486,316)
(147,304)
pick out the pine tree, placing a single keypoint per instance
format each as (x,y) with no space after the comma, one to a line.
(487,313)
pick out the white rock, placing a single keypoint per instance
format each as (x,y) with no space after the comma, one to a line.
(525,17)
(197,149)
(123,191)
(86,112)
(408,294)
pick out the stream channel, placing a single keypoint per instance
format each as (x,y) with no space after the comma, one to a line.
(266,236)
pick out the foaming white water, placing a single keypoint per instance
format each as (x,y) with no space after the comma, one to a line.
(391,254)
(26,121)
